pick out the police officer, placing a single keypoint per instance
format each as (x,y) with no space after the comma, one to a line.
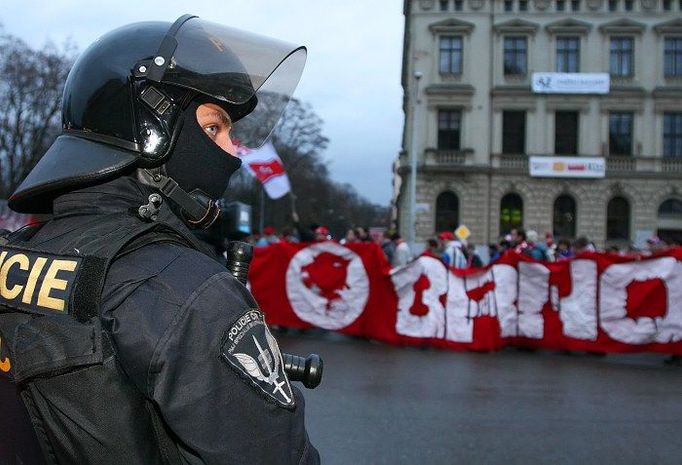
(123,340)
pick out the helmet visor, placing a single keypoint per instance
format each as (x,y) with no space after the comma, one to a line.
(235,67)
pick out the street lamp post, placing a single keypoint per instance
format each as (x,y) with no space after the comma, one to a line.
(411,233)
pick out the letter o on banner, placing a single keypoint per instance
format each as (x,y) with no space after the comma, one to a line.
(327,285)
(613,302)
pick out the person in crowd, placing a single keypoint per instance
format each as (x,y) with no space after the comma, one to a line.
(289,235)
(536,249)
(362,235)
(494,252)
(322,234)
(518,240)
(350,237)
(655,244)
(432,249)
(402,254)
(564,250)
(582,245)
(268,237)
(473,259)
(455,255)
(444,240)
(551,246)
(499,249)
(387,246)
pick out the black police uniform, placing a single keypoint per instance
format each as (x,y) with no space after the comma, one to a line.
(128,343)
(169,309)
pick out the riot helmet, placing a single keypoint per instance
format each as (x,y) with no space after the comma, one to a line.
(124,100)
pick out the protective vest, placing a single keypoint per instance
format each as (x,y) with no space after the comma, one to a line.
(77,405)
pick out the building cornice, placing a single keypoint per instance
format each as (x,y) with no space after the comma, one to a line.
(450,89)
(570,25)
(512,91)
(623,26)
(666,92)
(452,26)
(516,26)
(628,91)
(669,27)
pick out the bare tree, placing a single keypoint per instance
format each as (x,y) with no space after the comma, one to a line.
(31,84)
(299,141)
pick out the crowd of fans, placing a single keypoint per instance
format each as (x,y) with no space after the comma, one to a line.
(452,251)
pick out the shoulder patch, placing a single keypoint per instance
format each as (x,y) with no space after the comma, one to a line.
(250,348)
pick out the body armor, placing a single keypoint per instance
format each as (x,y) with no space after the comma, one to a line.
(63,364)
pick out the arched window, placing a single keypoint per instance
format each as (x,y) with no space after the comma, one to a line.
(447,212)
(670,221)
(618,219)
(564,217)
(671,208)
(511,213)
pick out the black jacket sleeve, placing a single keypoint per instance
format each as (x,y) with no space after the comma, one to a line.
(217,398)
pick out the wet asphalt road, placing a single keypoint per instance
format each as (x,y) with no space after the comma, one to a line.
(380,404)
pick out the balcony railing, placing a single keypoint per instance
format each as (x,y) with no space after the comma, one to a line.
(624,165)
(434,157)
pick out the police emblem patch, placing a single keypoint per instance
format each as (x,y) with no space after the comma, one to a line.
(249,347)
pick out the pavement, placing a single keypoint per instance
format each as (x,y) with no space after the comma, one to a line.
(381,404)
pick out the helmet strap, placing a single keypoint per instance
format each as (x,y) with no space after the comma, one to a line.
(198,210)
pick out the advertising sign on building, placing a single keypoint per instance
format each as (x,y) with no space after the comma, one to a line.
(567,167)
(571,83)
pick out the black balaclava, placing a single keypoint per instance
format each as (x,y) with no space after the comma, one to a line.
(197,163)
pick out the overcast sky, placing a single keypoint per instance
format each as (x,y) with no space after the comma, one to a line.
(352,76)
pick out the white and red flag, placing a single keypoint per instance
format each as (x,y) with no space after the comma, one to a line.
(267,167)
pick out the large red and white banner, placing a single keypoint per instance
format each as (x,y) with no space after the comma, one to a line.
(597,302)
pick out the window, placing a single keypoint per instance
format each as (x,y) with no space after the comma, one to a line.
(575,5)
(568,54)
(629,5)
(622,53)
(511,213)
(620,133)
(451,55)
(515,55)
(560,5)
(618,219)
(671,208)
(449,129)
(523,5)
(667,5)
(613,5)
(508,5)
(444,5)
(459,5)
(514,132)
(672,134)
(670,221)
(564,217)
(447,212)
(673,57)
(566,133)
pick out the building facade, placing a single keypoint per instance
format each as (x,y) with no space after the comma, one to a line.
(473,121)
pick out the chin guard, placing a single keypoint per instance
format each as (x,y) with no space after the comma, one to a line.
(198,210)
